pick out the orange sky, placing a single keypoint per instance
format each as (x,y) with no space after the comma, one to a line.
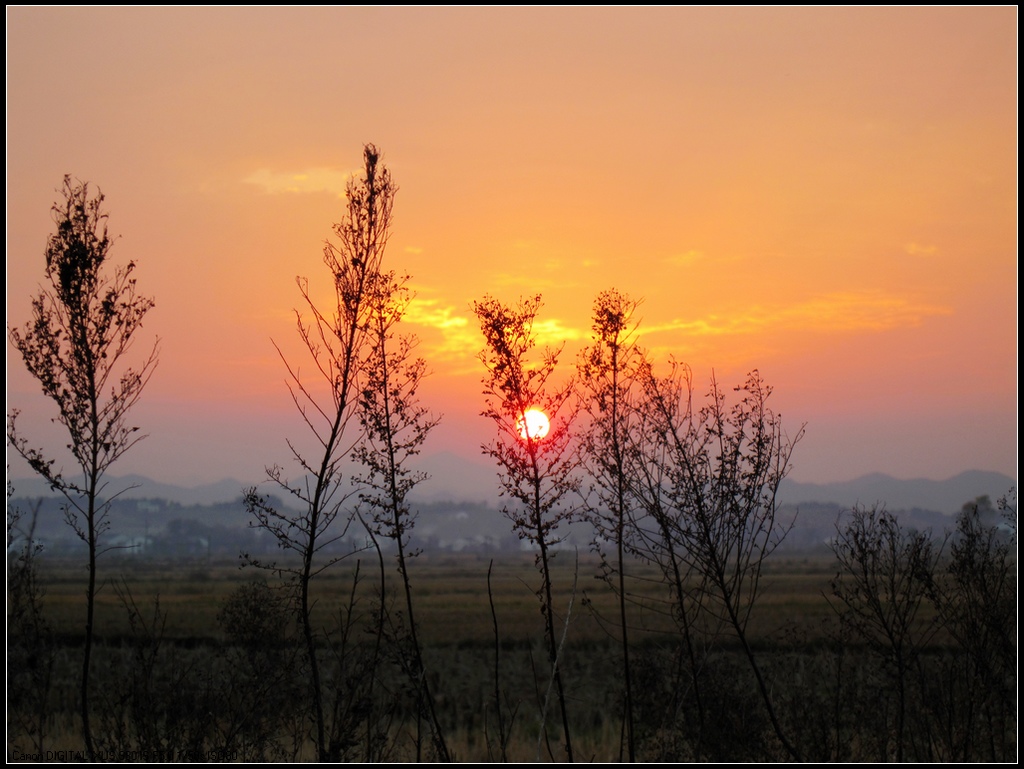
(828,195)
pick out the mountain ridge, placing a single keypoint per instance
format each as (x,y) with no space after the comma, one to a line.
(946,496)
(454,479)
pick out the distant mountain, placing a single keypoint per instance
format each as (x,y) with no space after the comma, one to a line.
(140,487)
(455,479)
(458,509)
(941,496)
(451,478)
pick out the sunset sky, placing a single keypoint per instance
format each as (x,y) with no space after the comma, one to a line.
(827,195)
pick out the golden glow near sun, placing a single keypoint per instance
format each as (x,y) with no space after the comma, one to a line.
(534,425)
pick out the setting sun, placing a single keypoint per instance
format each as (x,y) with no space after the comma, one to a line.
(534,425)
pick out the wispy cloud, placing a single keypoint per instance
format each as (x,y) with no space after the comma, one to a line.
(855,312)
(684,259)
(917,249)
(552,333)
(311,180)
(429,312)
(453,336)
(842,312)
(456,337)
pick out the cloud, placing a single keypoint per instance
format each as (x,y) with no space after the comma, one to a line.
(836,312)
(712,325)
(860,312)
(684,260)
(916,249)
(309,181)
(455,339)
(427,312)
(553,333)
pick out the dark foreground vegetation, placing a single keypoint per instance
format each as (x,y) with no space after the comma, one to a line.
(900,646)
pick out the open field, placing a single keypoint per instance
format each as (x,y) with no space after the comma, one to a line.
(450,591)
(179,683)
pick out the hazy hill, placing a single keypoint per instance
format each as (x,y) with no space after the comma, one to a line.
(459,510)
(454,479)
(942,496)
(141,487)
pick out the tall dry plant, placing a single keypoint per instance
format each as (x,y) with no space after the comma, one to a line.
(84,323)
(721,470)
(535,469)
(610,386)
(395,425)
(336,339)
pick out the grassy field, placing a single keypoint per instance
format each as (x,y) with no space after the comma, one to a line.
(175,684)
(451,595)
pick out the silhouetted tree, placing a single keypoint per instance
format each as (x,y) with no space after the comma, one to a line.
(653,538)
(84,323)
(882,587)
(336,339)
(535,470)
(609,373)
(975,595)
(719,474)
(395,425)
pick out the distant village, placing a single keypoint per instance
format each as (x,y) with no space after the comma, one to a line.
(161,528)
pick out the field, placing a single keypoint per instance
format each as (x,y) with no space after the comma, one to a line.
(451,591)
(176,680)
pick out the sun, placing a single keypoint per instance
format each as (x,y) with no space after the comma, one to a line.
(534,425)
